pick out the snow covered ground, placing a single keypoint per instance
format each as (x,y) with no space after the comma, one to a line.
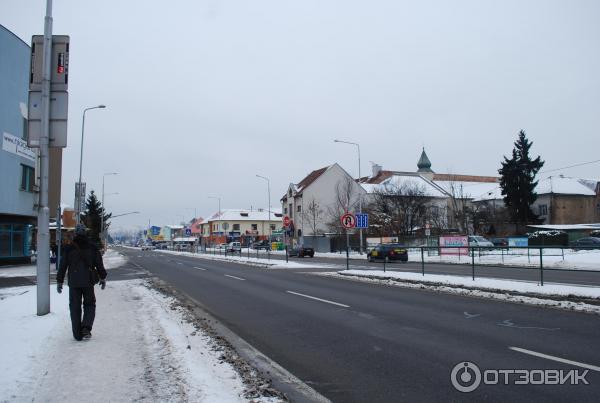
(527,292)
(142,349)
(111,259)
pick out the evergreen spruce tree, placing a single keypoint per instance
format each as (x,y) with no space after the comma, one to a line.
(92,218)
(517,181)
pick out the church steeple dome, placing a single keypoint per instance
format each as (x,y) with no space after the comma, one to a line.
(424,164)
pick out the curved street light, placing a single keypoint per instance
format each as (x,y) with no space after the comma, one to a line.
(81,159)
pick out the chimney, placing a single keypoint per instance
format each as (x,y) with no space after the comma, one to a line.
(376,170)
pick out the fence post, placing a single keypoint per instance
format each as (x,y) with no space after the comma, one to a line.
(286,254)
(541,269)
(459,248)
(422,262)
(502,252)
(473,264)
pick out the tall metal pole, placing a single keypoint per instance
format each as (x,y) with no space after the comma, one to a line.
(359,194)
(78,207)
(43,233)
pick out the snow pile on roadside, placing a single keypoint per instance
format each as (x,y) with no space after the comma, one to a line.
(111,259)
(20,271)
(266,263)
(524,287)
(142,349)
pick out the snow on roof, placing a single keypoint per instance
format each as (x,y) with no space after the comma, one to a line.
(567,226)
(246,215)
(411,181)
(564,185)
(477,191)
(175,226)
(185,239)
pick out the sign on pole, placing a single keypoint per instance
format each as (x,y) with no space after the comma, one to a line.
(348,221)
(286,221)
(362,221)
(188,231)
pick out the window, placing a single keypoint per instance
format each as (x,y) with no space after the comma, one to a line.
(272,226)
(299,208)
(291,210)
(15,240)
(254,227)
(299,233)
(285,210)
(542,209)
(236,227)
(27,178)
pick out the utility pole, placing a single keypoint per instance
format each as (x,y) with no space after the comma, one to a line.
(43,233)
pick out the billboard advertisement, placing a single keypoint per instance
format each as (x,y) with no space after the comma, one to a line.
(518,241)
(454,241)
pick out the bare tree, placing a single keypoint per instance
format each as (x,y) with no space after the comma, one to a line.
(399,209)
(346,200)
(460,207)
(314,215)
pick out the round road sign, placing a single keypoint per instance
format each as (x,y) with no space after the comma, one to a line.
(286,221)
(348,220)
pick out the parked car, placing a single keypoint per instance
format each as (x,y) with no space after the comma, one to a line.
(234,247)
(479,241)
(388,252)
(264,244)
(148,247)
(221,246)
(587,242)
(302,251)
(499,242)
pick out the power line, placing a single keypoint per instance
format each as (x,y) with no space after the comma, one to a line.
(570,166)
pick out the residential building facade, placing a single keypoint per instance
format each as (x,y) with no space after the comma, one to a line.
(18,188)
(240,225)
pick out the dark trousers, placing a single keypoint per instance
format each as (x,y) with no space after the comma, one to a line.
(76,294)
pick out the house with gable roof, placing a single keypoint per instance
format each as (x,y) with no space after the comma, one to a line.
(312,204)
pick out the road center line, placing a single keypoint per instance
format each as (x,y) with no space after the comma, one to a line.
(199,268)
(550,357)
(318,299)
(237,278)
(179,263)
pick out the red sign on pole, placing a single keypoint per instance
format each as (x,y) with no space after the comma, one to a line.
(348,220)
(286,221)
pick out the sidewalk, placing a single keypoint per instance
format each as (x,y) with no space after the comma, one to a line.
(142,349)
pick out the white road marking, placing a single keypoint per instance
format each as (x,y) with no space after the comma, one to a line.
(319,299)
(200,268)
(179,263)
(237,278)
(550,357)
(471,315)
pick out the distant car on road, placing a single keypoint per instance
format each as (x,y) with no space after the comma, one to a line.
(587,242)
(302,251)
(221,246)
(388,252)
(234,247)
(148,247)
(264,244)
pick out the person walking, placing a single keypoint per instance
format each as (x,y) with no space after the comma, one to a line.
(83,262)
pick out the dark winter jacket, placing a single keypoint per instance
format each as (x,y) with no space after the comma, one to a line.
(80,260)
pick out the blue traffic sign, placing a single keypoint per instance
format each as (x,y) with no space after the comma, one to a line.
(362,221)
(188,231)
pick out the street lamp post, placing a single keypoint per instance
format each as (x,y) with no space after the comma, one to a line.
(269,201)
(219,199)
(78,207)
(359,195)
(102,231)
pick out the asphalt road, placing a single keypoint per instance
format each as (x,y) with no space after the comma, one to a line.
(574,276)
(358,342)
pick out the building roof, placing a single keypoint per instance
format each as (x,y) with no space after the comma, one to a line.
(397,180)
(310,178)
(564,185)
(246,215)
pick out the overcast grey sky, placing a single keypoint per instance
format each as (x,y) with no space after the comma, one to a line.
(203,95)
